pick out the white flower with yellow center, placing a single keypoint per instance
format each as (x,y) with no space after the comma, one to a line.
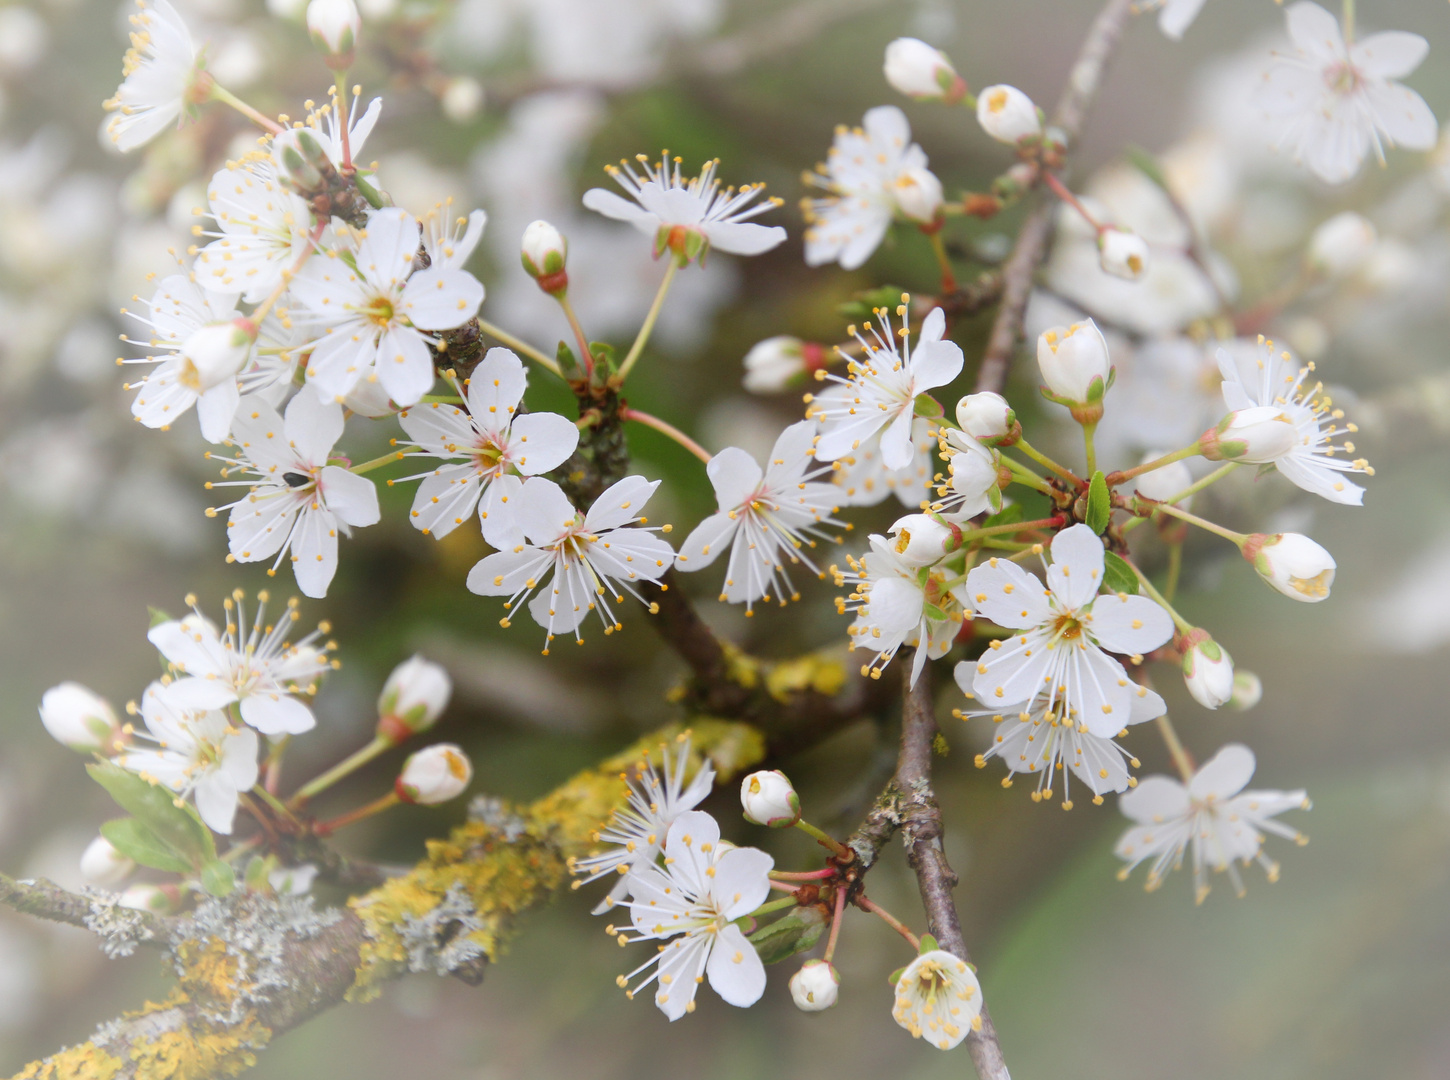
(483,451)
(1314,461)
(591,557)
(861,479)
(691,904)
(198,753)
(162,76)
(1212,817)
(1058,656)
(654,798)
(939,999)
(766,517)
(374,313)
(262,230)
(258,669)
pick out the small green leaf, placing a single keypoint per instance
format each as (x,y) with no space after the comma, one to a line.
(1118,576)
(177,826)
(603,353)
(794,932)
(217,878)
(135,841)
(1008,515)
(157,617)
(1099,504)
(568,362)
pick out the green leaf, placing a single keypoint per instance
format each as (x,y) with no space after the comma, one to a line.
(157,617)
(1118,576)
(603,353)
(568,362)
(177,826)
(135,841)
(928,406)
(794,932)
(1099,504)
(217,878)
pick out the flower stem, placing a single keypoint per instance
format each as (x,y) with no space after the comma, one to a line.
(809,875)
(1193,489)
(1047,463)
(1175,569)
(1092,451)
(836,923)
(1178,620)
(1348,22)
(585,356)
(222,94)
(1193,519)
(377,806)
(276,804)
(343,768)
(1025,476)
(538,356)
(1057,187)
(774,905)
(649,323)
(666,428)
(1124,475)
(835,846)
(340,82)
(1181,758)
(1013,527)
(939,248)
(369,466)
(889,919)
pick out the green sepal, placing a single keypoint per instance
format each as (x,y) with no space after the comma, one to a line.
(895,976)
(568,362)
(178,827)
(370,193)
(217,878)
(928,944)
(157,617)
(1118,576)
(1264,470)
(604,354)
(1099,504)
(932,612)
(139,844)
(794,932)
(928,406)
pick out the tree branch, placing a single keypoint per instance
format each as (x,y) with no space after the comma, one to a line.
(1083,83)
(921,829)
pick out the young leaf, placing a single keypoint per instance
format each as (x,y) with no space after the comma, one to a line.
(1118,576)
(217,878)
(177,826)
(135,841)
(794,932)
(1099,504)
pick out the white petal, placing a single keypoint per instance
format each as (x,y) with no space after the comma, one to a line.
(439,299)
(498,517)
(216,802)
(404,365)
(740,884)
(314,552)
(736,476)
(735,970)
(1390,54)
(612,206)
(1076,572)
(620,503)
(1129,624)
(313,427)
(1224,775)
(446,499)
(278,714)
(215,409)
(496,388)
(543,510)
(351,497)
(743,237)
(1008,595)
(1155,799)
(540,442)
(706,541)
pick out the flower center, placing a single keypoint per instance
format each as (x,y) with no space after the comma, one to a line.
(1343,78)
(1318,585)
(1067,628)
(379,311)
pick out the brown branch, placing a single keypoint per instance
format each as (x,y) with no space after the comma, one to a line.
(1083,83)
(921,829)
(47,900)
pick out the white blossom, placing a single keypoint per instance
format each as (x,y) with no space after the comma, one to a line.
(883,387)
(654,798)
(591,557)
(973,480)
(262,230)
(261,672)
(771,365)
(938,998)
(1123,254)
(921,540)
(766,517)
(986,415)
(1074,361)
(1293,564)
(1208,669)
(866,170)
(434,775)
(483,451)
(1315,462)
(707,216)
(416,692)
(162,74)
(690,904)
(862,478)
(334,26)
(373,312)
(815,987)
(1257,435)
(918,70)
(102,865)
(449,240)
(297,501)
(767,798)
(1007,114)
(1213,817)
(543,250)
(1337,101)
(1341,245)
(198,753)
(1064,629)
(79,718)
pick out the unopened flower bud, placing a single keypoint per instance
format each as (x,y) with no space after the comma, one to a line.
(1074,361)
(1292,563)
(815,986)
(461,98)
(921,540)
(918,195)
(1340,245)
(768,799)
(414,696)
(1257,436)
(544,253)
(1162,484)
(773,364)
(1208,670)
(300,159)
(1123,254)
(80,719)
(434,775)
(1007,114)
(1248,691)
(917,70)
(986,415)
(157,899)
(103,865)
(334,26)
(216,353)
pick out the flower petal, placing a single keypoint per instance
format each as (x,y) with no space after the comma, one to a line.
(735,970)
(1076,572)
(1129,624)
(1224,775)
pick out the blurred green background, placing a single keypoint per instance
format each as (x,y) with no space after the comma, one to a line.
(1342,969)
